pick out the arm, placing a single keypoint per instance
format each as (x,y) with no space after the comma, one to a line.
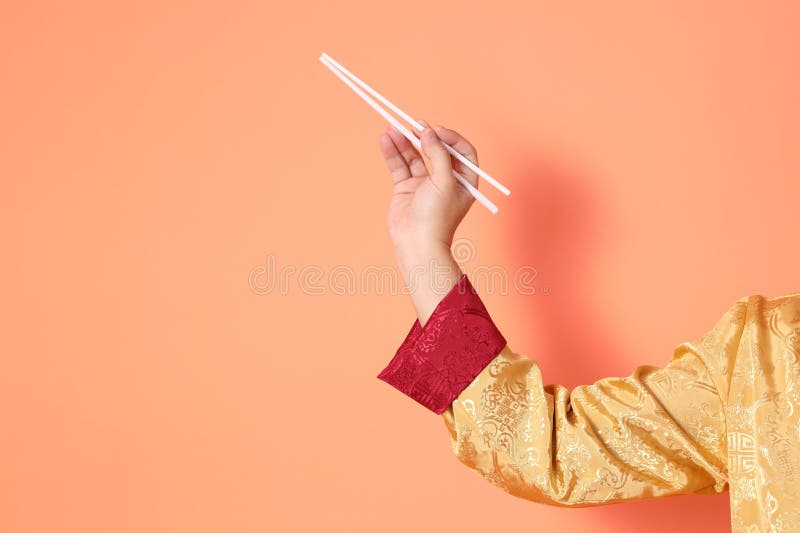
(655,433)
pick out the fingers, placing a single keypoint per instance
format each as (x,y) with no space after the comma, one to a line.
(398,168)
(441,165)
(404,160)
(463,147)
(410,154)
(457,142)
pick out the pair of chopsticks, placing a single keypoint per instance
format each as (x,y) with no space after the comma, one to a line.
(351,80)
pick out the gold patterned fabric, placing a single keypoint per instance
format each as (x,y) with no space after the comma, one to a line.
(722,415)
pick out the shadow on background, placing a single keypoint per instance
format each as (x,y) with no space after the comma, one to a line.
(556,231)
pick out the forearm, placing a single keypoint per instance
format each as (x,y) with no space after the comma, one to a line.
(429,273)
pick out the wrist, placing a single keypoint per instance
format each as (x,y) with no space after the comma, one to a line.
(422,257)
(429,272)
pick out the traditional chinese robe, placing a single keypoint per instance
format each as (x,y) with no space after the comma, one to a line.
(722,415)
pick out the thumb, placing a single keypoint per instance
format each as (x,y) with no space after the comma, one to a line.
(441,163)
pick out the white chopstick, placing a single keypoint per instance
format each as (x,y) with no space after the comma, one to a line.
(407,134)
(419,127)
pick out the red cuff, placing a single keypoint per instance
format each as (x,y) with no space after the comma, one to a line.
(436,362)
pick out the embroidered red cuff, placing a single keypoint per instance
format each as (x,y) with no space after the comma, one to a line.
(436,362)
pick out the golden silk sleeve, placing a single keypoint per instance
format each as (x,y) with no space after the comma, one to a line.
(657,432)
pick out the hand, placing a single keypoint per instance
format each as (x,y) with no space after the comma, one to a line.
(427,206)
(425,210)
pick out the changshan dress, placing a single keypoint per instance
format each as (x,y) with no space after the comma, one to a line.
(722,415)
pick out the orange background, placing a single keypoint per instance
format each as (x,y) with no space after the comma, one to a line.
(154,154)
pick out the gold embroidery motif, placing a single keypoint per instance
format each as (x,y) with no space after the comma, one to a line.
(741,453)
